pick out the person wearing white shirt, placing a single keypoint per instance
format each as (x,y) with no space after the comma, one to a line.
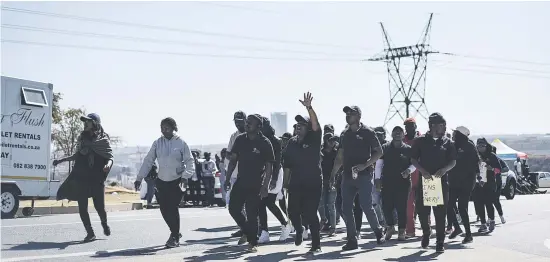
(174,162)
(208,179)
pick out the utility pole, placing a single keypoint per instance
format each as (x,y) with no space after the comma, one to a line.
(407,87)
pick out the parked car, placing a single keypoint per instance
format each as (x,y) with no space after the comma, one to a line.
(509,182)
(188,196)
(544,179)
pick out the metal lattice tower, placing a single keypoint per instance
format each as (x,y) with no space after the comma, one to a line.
(407,87)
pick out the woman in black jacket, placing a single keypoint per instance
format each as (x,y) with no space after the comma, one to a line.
(485,191)
(462,179)
(92,162)
(498,192)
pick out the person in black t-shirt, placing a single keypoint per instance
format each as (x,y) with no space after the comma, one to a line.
(486,188)
(462,179)
(359,150)
(327,208)
(254,153)
(394,170)
(433,155)
(302,163)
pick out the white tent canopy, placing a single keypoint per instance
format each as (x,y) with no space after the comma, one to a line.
(507,153)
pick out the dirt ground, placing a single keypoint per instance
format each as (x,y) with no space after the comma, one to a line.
(113,196)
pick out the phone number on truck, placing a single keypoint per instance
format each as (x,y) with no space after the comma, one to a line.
(29,166)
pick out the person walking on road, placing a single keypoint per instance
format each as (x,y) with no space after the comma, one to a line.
(175,162)
(327,208)
(410,134)
(393,175)
(151,188)
(254,154)
(208,178)
(303,165)
(359,150)
(462,179)
(486,191)
(434,155)
(92,162)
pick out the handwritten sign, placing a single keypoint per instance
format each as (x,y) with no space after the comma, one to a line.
(432,192)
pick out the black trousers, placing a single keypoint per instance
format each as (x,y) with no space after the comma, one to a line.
(357,213)
(246,196)
(98,197)
(195,190)
(338,203)
(303,201)
(208,183)
(483,199)
(462,195)
(269,203)
(395,196)
(282,204)
(440,213)
(496,200)
(169,196)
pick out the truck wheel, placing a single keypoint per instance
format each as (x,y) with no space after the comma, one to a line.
(27,211)
(10,203)
(510,190)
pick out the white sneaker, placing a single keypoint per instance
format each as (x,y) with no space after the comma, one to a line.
(264,237)
(305,234)
(285,232)
(502,220)
(291,228)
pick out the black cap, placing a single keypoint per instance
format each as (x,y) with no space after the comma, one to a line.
(398,128)
(239,115)
(352,109)
(380,130)
(257,117)
(436,118)
(302,119)
(93,116)
(328,127)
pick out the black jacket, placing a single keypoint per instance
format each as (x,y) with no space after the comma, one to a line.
(464,172)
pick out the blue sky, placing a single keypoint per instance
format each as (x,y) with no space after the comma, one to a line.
(133,91)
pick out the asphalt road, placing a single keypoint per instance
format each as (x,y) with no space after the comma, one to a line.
(140,235)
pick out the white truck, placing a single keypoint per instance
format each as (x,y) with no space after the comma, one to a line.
(26,141)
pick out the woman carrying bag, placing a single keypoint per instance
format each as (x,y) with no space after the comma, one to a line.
(92,162)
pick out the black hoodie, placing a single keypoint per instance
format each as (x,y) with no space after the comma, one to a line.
(463,174)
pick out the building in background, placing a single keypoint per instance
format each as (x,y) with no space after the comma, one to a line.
(279,122)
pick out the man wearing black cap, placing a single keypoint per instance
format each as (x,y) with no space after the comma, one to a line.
(302,162)
(359,150)
(254,153)
(433,155)
(239,118)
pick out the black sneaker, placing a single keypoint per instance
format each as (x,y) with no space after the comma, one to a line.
(173,242)
(350,245)
(439,248)
(380,238)
(237,234)
(358,235)
(314,250)
(242,240)
(492,225)
(455,233)
(106,229)
(89,237)
(467,239)
(331,231)
(252,249)
(425,241)
(326,228)
(298,239)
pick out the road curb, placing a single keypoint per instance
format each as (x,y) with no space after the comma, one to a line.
(74,209)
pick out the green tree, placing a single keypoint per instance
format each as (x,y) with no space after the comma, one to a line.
(66,131)
(57,114)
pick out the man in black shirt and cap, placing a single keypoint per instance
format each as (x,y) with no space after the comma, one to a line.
(433,155)
(254,154)
(359,150)
(302,162)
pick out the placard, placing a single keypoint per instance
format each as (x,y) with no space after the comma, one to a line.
(483,171)
(432,191)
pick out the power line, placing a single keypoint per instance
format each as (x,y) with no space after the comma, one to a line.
(499,59)
(174,42)
(172,29)
(493,72)
(176,53)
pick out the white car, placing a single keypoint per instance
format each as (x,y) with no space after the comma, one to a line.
(544,179)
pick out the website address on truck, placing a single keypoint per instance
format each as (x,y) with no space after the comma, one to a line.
(20,146)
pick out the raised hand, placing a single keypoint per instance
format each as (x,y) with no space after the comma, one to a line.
(307,99)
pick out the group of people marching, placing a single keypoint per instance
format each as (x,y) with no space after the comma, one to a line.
(336,176)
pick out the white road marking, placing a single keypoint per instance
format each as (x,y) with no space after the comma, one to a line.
(91,253)
(120,220)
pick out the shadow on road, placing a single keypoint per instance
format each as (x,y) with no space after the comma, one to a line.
(31,245)
(418,256)
(217,229)
(146,251)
